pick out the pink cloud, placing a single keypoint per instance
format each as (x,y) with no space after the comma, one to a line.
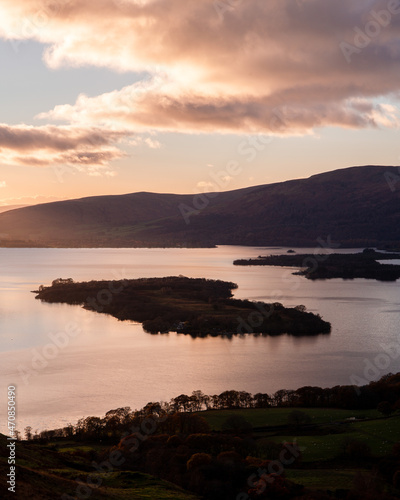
(88,149)
(158,108)
(275,66)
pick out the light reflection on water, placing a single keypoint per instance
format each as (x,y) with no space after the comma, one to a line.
(108,363)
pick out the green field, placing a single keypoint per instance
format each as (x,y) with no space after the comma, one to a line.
(380,434)
(324,479)
(278,416)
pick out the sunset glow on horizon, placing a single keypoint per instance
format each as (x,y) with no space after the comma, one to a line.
(200,242)
(120,96)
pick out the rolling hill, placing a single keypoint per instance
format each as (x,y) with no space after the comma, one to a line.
(356,206)
(46,473)
(6,208)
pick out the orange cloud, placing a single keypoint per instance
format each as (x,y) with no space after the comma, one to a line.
(276,66)
(159,108)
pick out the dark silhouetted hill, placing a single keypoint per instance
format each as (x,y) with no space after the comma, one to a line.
(357,206)
(7,208)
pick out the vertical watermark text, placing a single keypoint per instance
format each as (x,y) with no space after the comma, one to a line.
(12,437)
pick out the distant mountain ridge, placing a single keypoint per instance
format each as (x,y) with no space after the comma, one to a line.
(356,206)
(6,208)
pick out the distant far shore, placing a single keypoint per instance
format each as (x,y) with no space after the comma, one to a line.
(335,265)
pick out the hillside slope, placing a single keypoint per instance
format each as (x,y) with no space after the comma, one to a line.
(7,208)
(355,206)
(99,221)
(44,473)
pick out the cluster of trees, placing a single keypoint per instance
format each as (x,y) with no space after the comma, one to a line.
(194,306)
(173,441)
(345,266)
(383,394)
(181,448)
(216,466)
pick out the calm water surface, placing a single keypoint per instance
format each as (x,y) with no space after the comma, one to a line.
(68,363)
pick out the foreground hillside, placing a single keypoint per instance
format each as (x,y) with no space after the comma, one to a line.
(312,443)
(357,206)
(50,472)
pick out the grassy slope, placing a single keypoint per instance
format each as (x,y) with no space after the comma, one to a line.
(46,474)
(380,434)
(278,416)
(324,479)
(321,469)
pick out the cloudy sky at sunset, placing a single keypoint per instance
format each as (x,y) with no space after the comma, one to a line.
(116,96)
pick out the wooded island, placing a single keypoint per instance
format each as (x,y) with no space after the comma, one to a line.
(194,306)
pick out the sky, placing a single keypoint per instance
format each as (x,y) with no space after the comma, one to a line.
(119,96)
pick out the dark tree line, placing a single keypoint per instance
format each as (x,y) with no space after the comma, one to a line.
(383,394)
(173,441)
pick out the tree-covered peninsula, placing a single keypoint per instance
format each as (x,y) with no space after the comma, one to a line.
(336,265)
(194,306)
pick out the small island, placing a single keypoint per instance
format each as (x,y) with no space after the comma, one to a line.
(194,306)
(336,265)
